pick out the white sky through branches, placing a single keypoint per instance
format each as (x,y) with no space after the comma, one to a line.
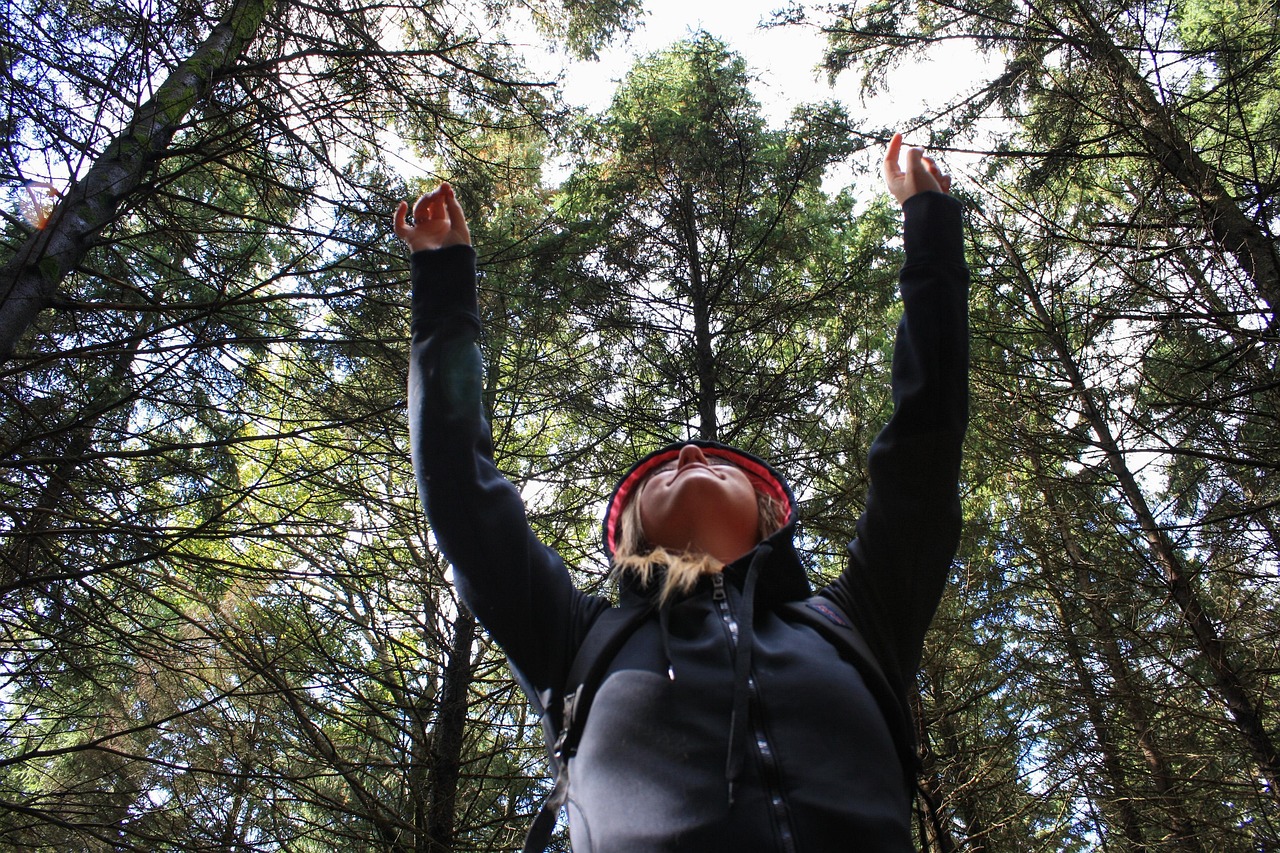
(784,60)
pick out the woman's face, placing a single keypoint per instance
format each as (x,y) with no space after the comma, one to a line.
(700,502)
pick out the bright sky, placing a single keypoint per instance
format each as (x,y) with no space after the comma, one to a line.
(784,58)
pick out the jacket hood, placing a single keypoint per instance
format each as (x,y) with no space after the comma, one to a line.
(761,474)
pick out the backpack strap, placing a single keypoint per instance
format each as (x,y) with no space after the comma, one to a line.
(565,720)
(826,617)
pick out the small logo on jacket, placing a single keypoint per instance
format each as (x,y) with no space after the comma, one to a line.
(828,611)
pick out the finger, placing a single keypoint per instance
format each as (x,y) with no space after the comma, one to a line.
(398,223)
(891,167)
(427,206)
(943,179)
(915,159)
(420,208)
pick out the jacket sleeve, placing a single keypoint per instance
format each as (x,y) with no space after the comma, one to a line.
(908,534)
(518,589)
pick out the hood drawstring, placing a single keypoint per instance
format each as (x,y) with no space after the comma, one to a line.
(742,670)
(664,628)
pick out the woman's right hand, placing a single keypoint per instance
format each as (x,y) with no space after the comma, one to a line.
(920,175)
(438,221)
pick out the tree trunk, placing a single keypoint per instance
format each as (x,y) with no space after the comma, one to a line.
(27,559)
(1131,698)
(31,278)
(1212,646)
(955,784)
(445,761)
(1130,692)
(1121,798)
(708,426)
(1150,120)
(934,834)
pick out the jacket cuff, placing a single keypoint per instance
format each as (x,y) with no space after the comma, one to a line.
(932,229)
(444,281)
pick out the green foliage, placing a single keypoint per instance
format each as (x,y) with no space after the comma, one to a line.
(699,235)
(225,626)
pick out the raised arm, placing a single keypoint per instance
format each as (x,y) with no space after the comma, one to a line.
(518,588)
(908,533)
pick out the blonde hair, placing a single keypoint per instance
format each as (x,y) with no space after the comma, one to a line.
(634,556)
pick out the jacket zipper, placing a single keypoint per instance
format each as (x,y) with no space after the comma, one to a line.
(764,749)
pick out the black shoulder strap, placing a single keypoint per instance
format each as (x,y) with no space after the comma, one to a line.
(565,720)
(824,616)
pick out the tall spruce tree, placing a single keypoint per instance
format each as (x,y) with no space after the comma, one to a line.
(732,298)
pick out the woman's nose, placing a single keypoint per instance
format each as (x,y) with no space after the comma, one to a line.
(691,454)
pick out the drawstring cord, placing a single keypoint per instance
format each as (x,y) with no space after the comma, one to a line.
(742,671)
(664,627)
(743,643)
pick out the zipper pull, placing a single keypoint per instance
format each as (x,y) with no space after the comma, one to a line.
(717,582)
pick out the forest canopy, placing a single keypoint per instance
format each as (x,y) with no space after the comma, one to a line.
(224,622)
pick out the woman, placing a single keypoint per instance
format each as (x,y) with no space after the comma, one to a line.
(721,723)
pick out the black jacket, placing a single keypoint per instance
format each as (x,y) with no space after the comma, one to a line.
(813,767)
